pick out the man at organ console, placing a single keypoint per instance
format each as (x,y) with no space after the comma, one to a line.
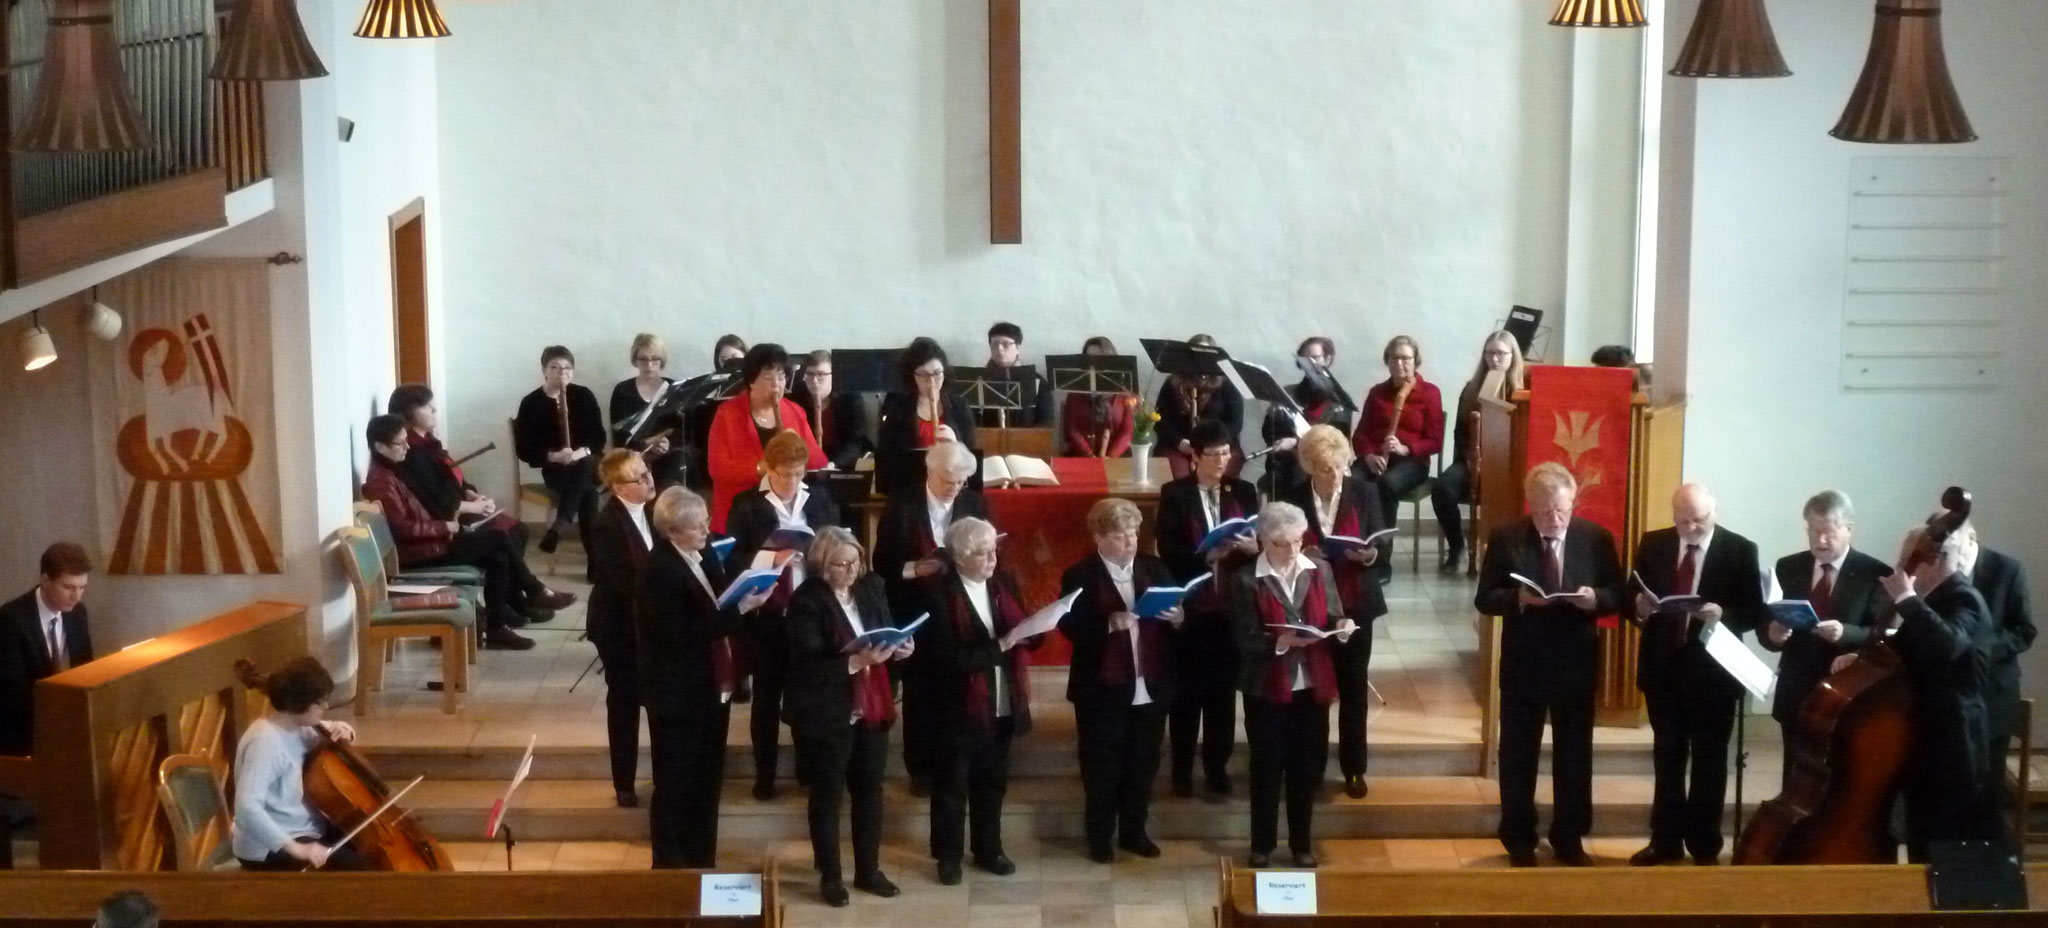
(42,632)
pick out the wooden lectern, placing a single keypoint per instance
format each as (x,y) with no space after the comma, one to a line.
(1656,458)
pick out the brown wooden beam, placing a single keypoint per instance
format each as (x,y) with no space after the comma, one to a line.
(1005,135)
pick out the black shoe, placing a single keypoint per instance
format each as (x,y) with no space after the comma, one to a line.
(627,799)
(1259,860)
(1454,561)
(512,619)
(1139,845)
(949,873)
(875,884)
(552,600)
(1102,855)
(834,893)
(1184,787)
(1354,786)
(999,865)
(1701,860)
(765,790)
(1653,855)
(1572,857)
(537,615)
(921,787)
(1219,783)
(1305,860)
(505,639)
(1521,858)
(550,540)
(744,693)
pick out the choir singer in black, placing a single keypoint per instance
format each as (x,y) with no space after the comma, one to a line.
(1841,584)
(1549,663)
(1692,700)
(2003,583)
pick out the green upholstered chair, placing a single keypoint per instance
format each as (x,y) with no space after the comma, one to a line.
(379,623)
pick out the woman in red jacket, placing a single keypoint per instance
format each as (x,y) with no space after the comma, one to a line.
(744,424)
(1403,429)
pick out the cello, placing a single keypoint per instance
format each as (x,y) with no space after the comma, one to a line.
(342,785)
(1846,768)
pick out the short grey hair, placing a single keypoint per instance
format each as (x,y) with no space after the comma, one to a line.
(675,506)
(1830,504)
(969,532)
(950,457)
(1279,518)
(1547,478)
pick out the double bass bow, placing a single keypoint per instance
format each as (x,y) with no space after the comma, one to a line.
(1855,737)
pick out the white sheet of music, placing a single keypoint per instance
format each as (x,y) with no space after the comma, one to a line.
(1727,649)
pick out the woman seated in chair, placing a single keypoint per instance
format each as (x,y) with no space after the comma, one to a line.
(1500,352)
(1098,425)
(656,439)
(424,541)
(558,431)
(1404,428)
(275,828)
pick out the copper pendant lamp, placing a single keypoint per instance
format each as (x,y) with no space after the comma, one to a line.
(265,41)
(81,100)
(1599,13)
(401,19)
(1905,96)
(1731,38)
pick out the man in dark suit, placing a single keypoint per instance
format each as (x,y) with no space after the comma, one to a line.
(1841,583)
(907,542)
(42,632)
(1549,658)
(2003,584)
(1692,700)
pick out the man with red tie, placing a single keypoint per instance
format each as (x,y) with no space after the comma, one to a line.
(1841,583)
(1692,700)
(1549,660)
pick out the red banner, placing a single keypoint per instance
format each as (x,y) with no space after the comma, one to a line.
(1580,417)
(1046,529)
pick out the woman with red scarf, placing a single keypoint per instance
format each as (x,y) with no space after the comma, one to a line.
(981,689)
(840,707)
(1288,678)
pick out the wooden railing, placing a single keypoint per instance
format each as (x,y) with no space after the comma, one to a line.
(206,138)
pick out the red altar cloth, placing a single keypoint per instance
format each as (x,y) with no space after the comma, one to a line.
(1046,529)
(1580,417)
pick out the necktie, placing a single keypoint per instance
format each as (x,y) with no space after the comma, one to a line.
(1688,570)
(1823,595)
(1553,566)
(56,642)
(1211,509)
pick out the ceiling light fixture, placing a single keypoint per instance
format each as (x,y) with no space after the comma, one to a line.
(1625,14)
(265,41)
(1731,38)
(37,350)
(1905,95)
(81,100)
(401,19)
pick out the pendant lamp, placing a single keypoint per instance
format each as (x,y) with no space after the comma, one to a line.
(1731,38)
(401,19)
(37,350)
(1905,95)
(1600,13)
(265,41)
(81,100)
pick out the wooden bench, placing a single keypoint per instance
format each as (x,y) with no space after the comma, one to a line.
(555,898)
(1679,897)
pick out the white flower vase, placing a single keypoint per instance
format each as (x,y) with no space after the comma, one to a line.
(1141,462)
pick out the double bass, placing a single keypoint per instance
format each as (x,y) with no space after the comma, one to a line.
(343,786)
(1855,738)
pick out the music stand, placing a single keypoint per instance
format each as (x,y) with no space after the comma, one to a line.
(864,370)
(1176,357)
(1525,323)
(496,822)
(1327,382)
(677,398)
(1093,374)
(1001,390)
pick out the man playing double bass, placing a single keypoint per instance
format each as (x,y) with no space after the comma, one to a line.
(1692,700)
(1941,627)
(1841,583)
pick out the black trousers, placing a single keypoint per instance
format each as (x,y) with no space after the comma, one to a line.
(621,706)
(1290,745)
(917,718)
(575,487)
(1205,703)
(2004,711)
(1571,768)
(1351,661)
(342,858)
(1689,725)
(1119,758)
(506,579)
(688,745)
(1401,476)
(1453,486)
(847,762)
(768,645)
(970,775)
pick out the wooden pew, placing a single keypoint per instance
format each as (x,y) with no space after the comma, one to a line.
(101,729)
(1657,897)
(443,900)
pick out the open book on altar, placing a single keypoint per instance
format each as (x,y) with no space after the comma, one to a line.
(1016,470)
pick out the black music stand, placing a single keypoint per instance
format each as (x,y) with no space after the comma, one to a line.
(864,370)
(1176,357)
(1327,382)
(1000,390)
(1094,374)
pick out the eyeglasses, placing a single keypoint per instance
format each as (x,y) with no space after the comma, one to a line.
(1217,454)
(977,552)
(843,565)
(818,375)
(928,375)
(642,477)
(649,359)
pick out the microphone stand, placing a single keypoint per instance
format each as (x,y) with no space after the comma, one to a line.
(1741,757)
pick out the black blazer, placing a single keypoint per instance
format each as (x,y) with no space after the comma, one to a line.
(1670,654)
(618,558)
(537,429)
(2003,584)
(1087,626)
(905,535)
(1940,640)
(899,461)
(1255,642)
(753,519)
(1857,602)
(625,404)
(1366,601)
(677,629)
(843,432)
(950,660)
(1553,649)
(1037,416)
(819,696)
(24,659)
(1181,525)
